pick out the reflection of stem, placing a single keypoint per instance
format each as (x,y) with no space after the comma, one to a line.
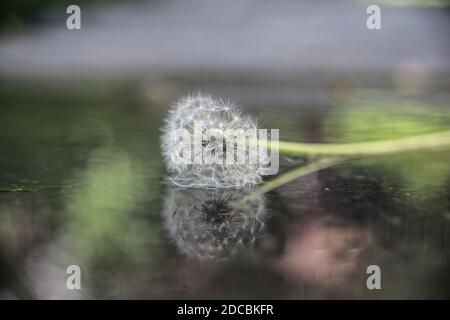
(298,172)
(432,140)
(293,174)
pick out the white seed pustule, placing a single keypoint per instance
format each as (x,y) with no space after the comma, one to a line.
(211,114)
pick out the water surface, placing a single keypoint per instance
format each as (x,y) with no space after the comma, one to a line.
(82,182)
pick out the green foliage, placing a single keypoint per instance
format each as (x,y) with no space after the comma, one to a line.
(384,120)
(101,206)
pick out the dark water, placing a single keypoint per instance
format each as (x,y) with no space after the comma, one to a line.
(82,183)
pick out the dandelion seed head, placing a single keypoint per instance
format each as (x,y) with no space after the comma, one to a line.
(212,114)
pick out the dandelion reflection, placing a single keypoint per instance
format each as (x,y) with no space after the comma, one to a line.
(214,223)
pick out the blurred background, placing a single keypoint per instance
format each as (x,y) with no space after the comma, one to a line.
(82,179)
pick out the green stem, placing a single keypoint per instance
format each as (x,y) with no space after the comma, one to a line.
(432,140)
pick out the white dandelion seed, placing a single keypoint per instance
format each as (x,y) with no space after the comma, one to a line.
(210,114)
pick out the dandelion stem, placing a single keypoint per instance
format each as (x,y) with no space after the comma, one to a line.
(432,140)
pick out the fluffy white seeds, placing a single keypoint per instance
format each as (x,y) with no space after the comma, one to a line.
(216,115)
